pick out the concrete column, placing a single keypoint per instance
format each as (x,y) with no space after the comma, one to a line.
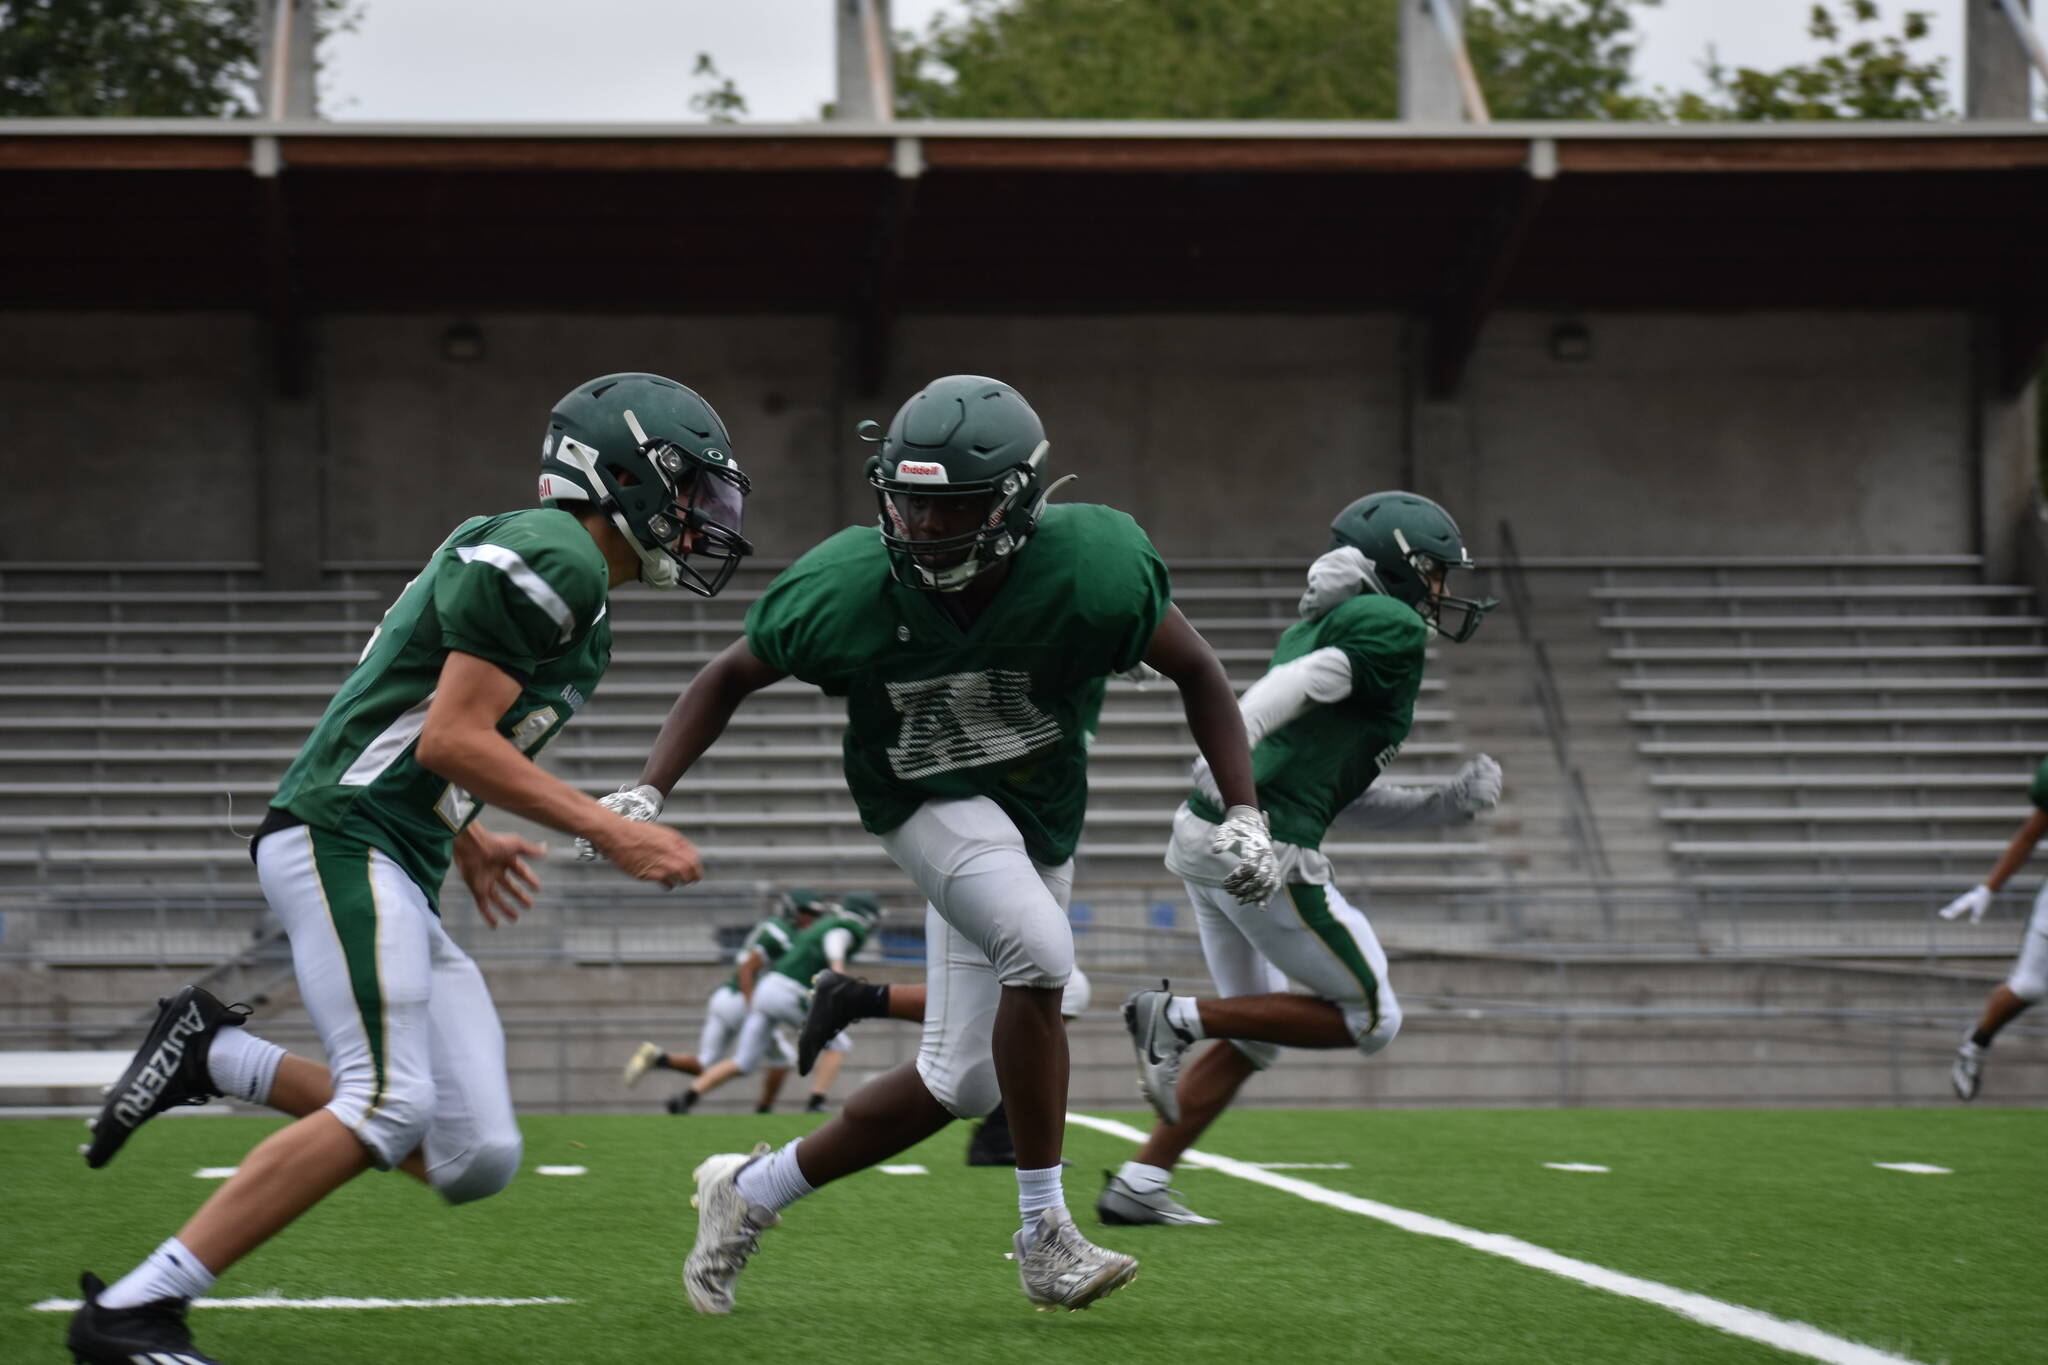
(291,449)
(1429,74)
(1996,70)
(866,63)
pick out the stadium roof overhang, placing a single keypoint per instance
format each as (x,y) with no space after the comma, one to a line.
(871,221)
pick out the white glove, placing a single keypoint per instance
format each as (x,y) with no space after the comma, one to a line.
(1243,836)
(635,803)
(1143,675)
(1476,787)
(1973,903)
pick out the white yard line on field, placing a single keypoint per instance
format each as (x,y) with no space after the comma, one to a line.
(1574,1166)
(329,1301)
(903,1170)
(1797,1337)
(1912,1167)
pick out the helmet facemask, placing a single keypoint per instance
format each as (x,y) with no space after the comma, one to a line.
(672,508)
(1005,509)
(1433,575)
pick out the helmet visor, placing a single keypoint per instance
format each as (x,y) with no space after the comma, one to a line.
(710,511)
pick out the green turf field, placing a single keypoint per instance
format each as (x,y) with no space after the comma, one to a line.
(1780,1212)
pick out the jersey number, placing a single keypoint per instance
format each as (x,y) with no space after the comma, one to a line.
(966,720)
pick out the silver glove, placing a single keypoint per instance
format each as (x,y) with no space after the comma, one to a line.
(634,803)
(1476,787)
(1242,835)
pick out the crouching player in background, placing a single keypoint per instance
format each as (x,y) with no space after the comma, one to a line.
(1332,710)
(725,1013)
(481,660)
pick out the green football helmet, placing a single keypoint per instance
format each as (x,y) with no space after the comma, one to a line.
(798,900)
(863,907)
(962,437)
(654,458)
(1413,545)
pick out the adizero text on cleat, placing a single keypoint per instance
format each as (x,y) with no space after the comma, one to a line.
(152,1332)
(168,1069)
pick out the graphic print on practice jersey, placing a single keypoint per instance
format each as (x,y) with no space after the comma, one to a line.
(1003,708)
(966,720)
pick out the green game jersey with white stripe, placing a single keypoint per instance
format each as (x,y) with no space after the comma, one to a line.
(806,955)
(1004,708)
(1319,763)
(2037,790)
(772,937)
(525,590)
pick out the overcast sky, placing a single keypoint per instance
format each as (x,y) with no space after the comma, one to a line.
(630,60)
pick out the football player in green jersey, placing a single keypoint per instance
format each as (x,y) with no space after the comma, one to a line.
(971,639)
(725,1013)
(783,995)
(2029,979)
(1331,712)
(480,661)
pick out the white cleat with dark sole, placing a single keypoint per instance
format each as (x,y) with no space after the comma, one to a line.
(1967,1074)
(1122,1206)
(728,1230)
(1063,1269)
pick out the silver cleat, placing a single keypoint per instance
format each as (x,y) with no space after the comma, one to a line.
(1063,1269)
(1119,1204)
(1160,1047)
(728,1230)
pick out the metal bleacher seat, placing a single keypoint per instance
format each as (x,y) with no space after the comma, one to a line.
(1871,727)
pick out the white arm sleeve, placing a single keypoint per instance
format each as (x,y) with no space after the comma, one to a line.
(1390,807)
(1283,695)
(838,943)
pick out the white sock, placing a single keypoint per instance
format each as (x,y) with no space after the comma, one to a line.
(243,1065)
(1038,1191)
(1142,1178)
(171,1272)
(1184,1015)
(774,1182)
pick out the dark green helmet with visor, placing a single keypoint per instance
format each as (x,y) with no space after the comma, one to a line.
(654,458)
(971,441)
(1413,545)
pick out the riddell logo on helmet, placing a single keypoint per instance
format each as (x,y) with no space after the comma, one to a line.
(920,471)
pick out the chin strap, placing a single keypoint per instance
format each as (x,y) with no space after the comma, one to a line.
(657,570)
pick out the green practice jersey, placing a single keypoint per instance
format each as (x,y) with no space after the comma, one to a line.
(1319,763)
(806,955)
(525,590)
(772,937)
(2037,791)
(1003,709)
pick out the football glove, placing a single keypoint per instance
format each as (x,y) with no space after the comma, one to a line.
(1476,787)
(1242,835)
(635,803)
(1973,903)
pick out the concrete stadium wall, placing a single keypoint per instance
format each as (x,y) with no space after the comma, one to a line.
(1224,435)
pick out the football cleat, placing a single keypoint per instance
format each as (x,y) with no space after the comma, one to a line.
(1967,1074)
(1063,1269)
(154,1332)
(640,1063)
(728,1230)
(169,1069)
(1160,1047)
(816,1105)
(1122,1206)
(682,1102)
(992,1144)
(832,1009)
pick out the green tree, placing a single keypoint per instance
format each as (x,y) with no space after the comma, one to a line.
(1152,59)
(720,101)
(1867,76)
(136,58)
(1557,59)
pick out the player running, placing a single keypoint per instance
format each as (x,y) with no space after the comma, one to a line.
(1331,712)
(481,660)
(2029,979)
(971,638)
(726,1011)
(784,994)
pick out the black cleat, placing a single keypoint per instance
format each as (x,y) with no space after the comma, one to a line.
(816,1105)
(991,1144)
(682,1102)
(153,1331)
(834,1005)
(168,1069)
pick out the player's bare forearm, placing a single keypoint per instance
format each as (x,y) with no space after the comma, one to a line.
(2019,850)
(701,714)
(749,973)
(460,741)
(1179,651)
